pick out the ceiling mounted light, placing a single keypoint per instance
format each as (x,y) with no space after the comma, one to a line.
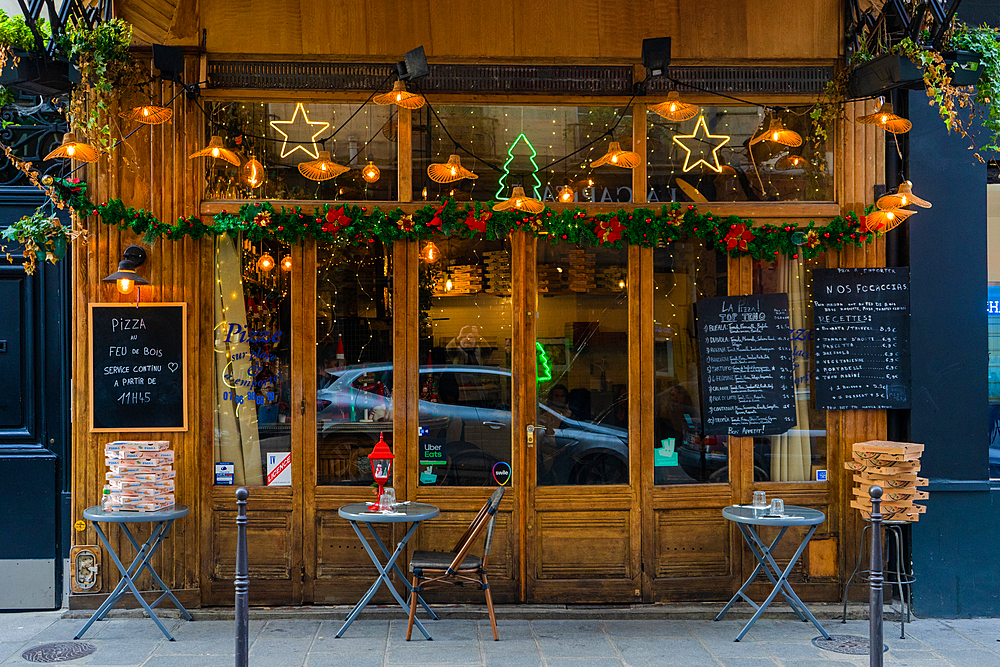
(886,118)
(126,276)
(149,114)
(675,110)
(400,96)
(520,202)
(75,150)
(215,149)
(616,157)
(322,169)
(779,134)
(450,171)
(903,197)
(883,221)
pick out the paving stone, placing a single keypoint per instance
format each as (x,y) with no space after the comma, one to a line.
(645,629)
(459,631)
(514,659)
(338,660)
(359,628)
(433,653)
(576,646)
(580,662)
(558,629)
(280,653)
(970,658)
(290,629)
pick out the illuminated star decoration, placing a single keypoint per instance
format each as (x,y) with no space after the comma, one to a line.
(704,146)
(304,147)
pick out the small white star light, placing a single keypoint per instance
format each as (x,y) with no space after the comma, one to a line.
(308,148)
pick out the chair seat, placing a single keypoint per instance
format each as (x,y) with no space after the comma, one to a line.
(440,560)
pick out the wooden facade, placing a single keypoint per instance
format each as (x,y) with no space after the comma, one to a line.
(601,544)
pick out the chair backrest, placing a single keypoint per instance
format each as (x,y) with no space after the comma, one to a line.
(486,515)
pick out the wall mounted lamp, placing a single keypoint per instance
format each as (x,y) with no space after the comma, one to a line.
(126,275)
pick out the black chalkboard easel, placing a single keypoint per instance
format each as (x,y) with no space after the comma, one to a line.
(138,367)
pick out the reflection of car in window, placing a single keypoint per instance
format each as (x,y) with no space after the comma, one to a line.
(464,411)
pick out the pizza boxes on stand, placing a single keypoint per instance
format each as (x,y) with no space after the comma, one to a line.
(140,475)
(894,467)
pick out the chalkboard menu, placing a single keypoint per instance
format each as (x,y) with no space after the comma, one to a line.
(746,365)
(862,325)
(138,369)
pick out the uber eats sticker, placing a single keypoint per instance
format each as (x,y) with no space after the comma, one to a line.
(432,454)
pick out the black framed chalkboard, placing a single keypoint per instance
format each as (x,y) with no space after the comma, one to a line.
(746,365)
(861,319)
(138,367)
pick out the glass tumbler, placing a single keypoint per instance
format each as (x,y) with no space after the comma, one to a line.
(777,507)
(387,500)
(759,500)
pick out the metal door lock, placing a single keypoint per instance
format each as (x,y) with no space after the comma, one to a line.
(531,434)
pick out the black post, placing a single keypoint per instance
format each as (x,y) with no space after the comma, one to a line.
(242,580)
(875,581)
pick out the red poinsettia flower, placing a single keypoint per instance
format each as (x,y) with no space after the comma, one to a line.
(738,237)
(609,231)
(436,220)
(478,224)
(337,217)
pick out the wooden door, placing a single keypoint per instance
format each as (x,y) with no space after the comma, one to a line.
(582,528)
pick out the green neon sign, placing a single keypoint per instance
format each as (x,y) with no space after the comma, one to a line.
(543,369)
(510,159)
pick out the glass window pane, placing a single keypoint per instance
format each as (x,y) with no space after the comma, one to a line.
(764,171)
(797,455)
(353,360)
(582,365)
(253,416)
(683,273)
(465,362)
(257,130)
(518,141)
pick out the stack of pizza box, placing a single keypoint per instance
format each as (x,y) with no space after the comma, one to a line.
(140,475)
(894,467)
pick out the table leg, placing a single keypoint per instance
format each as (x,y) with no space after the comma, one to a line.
(383,576)
(403,577)
(763,553)
(787,587)
(127,577)
(156,578)
(782,580)
(753,543)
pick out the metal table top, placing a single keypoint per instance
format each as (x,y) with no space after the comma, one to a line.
(95,513)
(793,516)
(402,513)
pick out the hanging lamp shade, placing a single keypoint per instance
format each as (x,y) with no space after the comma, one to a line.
(520,202)
(616,157)
(725,172)
(789,162)
(76,150)
(887,119)
(149,114)
(370,172)
(252,173)
(883,221)
(779,134)
(400,96)
(215,149)
(390,130)
(322,168)
(903,197)
(450,171)
(675,110)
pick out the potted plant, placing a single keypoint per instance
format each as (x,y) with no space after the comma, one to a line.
(43,236)
(24,66)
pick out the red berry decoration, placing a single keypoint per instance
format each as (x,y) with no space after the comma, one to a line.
(280,228)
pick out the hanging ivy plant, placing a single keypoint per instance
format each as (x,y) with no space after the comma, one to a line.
(984,41)
(43,236)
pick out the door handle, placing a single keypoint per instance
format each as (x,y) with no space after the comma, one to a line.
(494,425)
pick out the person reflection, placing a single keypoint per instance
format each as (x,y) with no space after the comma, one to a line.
(465,348)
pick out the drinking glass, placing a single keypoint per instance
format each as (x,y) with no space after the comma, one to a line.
(388,499)
(777,507)
(759,500)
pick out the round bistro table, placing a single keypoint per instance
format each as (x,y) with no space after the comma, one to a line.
(163,520)
(747,520)
(412,513)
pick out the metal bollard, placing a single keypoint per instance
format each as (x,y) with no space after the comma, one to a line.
(875,581)
(242,580)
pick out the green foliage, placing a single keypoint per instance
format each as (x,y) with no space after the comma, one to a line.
(829,110)
(14,32)
(43,236)
(984,41)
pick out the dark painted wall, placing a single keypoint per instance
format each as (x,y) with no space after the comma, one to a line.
(955,543)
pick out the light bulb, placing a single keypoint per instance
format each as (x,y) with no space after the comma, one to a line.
(614,158)
(890,215)
(265,263)
(399,97)
(126,285)
(673,107)
(145,111)
(71,150)
(774,137)
(518,203)
(884,119)
(322,167)
(286,263)
(423,193)
(447,285)
(903,200)
(215,152)
(451,193)
(621,284)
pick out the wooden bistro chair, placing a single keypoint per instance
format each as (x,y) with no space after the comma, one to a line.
(440,569)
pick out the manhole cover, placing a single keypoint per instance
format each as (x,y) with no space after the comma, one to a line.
(849,644)
(58,652)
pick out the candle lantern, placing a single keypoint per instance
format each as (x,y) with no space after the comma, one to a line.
(381,458)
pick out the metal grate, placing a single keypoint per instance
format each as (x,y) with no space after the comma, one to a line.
(297,76)
(805,80)
(58,652)
(565,79)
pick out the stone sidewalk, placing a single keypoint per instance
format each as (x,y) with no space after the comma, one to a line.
(546,643)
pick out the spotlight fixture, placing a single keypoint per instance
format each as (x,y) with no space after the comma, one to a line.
(450,171)
(675,110)
(521,202)
(656,55)
(126,276)
(903,197)
(887,120)
(777,133)
(616,157)
(75,150)
(370,173)
(400,96)
(149,114)
(322,169)
(215,149)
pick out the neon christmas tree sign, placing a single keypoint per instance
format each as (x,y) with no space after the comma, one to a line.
(511,156)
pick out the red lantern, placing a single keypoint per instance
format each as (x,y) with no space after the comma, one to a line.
(381,458)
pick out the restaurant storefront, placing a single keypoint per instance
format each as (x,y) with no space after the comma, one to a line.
(568,371)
